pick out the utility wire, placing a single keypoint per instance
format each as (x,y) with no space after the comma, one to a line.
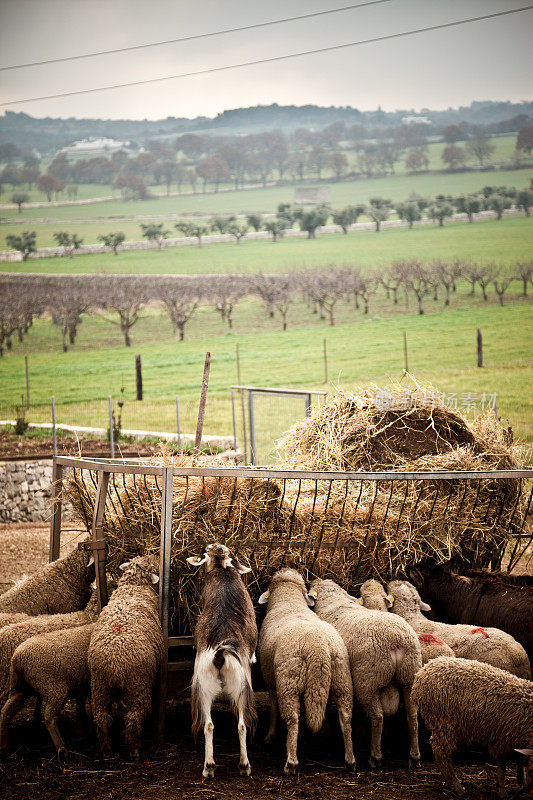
(271,60)
(196,36)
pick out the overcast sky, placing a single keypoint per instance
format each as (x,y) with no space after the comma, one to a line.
(492,59)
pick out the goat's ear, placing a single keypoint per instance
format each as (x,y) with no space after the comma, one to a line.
(124,565)
(389,600)
(264,598)
(196,561)
(525,751)
(465,579)
(91,561)
(155,578)
(425,606)
(239,567)
(310,600)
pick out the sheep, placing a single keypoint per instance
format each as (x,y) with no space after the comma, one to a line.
(125,652)
(374,597)
(492,599)
(302,656)
(58,588)
(13,635)
(470,703)
(384,658)
(9,617)
(225,636)
(53,666)
(490,645)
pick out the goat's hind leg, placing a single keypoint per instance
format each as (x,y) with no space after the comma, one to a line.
(209,757)
(244,764)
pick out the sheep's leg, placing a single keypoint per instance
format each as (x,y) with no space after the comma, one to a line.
(138,703)
(342,693)
(412,724)
(442,755)
(244,764)
(273,717)
(101,704)
(375,712)
(11,707)
(52,707)
(501,777)
(289,709)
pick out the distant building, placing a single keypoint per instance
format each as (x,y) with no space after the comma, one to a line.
(413,120)
(311,195)
(93,145)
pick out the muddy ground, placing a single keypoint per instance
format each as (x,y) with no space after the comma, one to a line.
(32,772)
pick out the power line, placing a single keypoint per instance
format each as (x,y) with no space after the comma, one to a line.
(271,60)
(196,36)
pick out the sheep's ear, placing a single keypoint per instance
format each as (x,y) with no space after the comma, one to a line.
(361,601)
(310,600)
(155,578)
(313,593)
(357,599)
(389,600)
(93,585)
(425,606)
(239,567)
(264,598)
(124,565)
(91,561)
(196,561)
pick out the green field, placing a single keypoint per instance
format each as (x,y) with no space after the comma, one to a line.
(504,242)
(396,187)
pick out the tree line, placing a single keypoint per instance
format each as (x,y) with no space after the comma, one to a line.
(120,299)
(379,209)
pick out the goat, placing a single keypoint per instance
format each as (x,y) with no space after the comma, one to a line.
(225,637)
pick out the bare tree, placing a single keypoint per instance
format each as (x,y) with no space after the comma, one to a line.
(524,273)
(67,298)
(486,275)
(324,287)
(501,283)
(286,291)
(226,291)
(471,274)
(442,274)
(180,296)
(418,281)
(265,287)
(126,295)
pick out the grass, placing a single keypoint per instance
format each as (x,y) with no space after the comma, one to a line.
(396,187)
(442,349)
(503,241)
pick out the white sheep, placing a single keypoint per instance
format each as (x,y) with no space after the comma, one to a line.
(490,645)
(384,659)
(125,652)
(466,702)
(53,666)
(302,657)
(374,597)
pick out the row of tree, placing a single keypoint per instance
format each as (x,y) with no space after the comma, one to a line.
(493,198)
(120,299)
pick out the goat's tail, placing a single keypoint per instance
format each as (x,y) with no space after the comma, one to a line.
(225,649)
(316,692)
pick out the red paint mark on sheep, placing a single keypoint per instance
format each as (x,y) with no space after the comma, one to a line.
(480,630)
(429,638)
(118,627)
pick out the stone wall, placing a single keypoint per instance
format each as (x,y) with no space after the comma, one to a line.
(25,490)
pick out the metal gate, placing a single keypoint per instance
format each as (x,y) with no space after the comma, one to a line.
(262,419)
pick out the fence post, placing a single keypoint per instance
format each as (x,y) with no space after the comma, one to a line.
(164,592)
(111,431)
(54,432)
(479,348)
(178,421)
(97,543)
(252,426)
(55,521)
(203,399)
(138,377)
(308,405)
(27,382)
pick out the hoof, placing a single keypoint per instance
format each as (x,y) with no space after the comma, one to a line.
(245,770)
(350,766)
(291,768)
(374,763)
(414,763)
(62,754)
(209,772)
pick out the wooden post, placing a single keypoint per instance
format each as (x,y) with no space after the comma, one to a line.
(325,362)
(201,407)
(27,382)
(138,377)
(55,521)
(97,544)
(405,360)
(479,348)
(111,431)
(54,432)
(164,592)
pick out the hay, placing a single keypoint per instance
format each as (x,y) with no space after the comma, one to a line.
(346,531)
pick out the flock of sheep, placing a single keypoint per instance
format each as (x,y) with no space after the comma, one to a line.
(471,685)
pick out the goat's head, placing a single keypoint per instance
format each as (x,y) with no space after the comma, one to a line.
(218,555)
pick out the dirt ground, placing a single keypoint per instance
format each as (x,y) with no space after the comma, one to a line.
(12,445)
(31,769)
